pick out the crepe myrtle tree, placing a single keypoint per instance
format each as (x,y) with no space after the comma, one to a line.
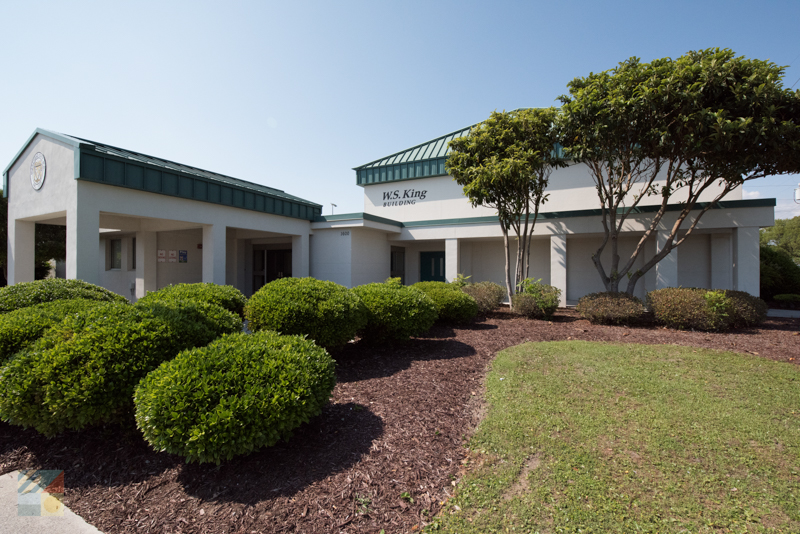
(676,129)
(505,163)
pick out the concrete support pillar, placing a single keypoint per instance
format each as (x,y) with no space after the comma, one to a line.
(230,257)
(83,243)
(721,262)
(558,265)
(214,252)
(452,259)
(746,260)
(146,263)
(300,256)
(666,269)
(21,251)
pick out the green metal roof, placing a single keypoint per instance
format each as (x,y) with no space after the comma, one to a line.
(102,163)
(421,161)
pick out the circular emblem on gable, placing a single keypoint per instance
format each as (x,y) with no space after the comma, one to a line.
(38,170)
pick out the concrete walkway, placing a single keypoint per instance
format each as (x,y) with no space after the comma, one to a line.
(11,523)
(792,314)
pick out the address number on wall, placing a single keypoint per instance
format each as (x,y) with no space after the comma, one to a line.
(346,232)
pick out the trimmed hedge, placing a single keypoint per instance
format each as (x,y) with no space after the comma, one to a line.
(488,295)
(788,300)
(83,371)
(706,310)
(20,328)
(326,312)
(611,308)
(779,273)
(27,294)
(238,394)
(228,297)
(536,300)
(452,304)
(395,312)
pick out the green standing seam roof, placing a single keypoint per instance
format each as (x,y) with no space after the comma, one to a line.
(106,164)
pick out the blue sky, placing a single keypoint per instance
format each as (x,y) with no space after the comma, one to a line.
(295,94)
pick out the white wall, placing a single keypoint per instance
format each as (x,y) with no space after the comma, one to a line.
(117,280)
(190,272)
(694,262)
(331,255)
(371,256)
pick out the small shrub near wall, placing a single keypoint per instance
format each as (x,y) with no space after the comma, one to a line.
(20,328)
(228,297)
(83,371)
(788,300)
(611,308)
(395,312)
(27,294)
(326,312)
(779,273)
(488,295)
(239,394)
(536,300)
(706,310)
(452,304)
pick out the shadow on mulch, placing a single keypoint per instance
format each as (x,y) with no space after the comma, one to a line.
(332,442)
(356,364)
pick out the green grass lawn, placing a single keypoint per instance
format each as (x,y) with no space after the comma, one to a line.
(589,437)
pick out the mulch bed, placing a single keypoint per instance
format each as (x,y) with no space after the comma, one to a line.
(397,424)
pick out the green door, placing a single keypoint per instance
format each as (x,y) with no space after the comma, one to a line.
(431,267)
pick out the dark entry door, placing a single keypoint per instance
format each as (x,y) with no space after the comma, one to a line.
(431,267)
(269,265)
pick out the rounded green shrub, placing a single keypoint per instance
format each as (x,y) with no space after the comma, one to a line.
(395,312)
(83,371)
(452,304)
(611,308)
(690,308)
(27,294)
(326,312)
(536,300)
(228,297)
(787,300)
(779,273)
(488,295)
(20,328)
(240,393)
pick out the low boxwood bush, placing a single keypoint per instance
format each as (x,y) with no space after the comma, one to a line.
(84,370)
(744,309)
(488,295)
(20,328)
(536,300)
(395,312)
(452,304)
(787,300)
(611,308)
(228,297)
(240,393)
(326,312)
(27,294)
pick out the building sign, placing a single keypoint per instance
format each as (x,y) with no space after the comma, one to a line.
(403,197)
(38,171)
(183,256)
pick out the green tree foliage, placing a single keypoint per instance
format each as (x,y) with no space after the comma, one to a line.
(785,235)
(702,124)
(505,163)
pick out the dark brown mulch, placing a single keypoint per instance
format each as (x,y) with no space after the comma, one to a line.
(396,424)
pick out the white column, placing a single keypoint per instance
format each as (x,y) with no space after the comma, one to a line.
(667,268)
(300,256)
(146,263)
(558,265)
(214,249)
(83,243)
(452,260)
(721,262)
(21,251)
(746,260)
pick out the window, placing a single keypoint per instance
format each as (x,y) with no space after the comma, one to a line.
(115,254)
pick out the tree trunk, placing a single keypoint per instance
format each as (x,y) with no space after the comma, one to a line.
(508,262)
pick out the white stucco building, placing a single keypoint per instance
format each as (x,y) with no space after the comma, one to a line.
(136,223)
